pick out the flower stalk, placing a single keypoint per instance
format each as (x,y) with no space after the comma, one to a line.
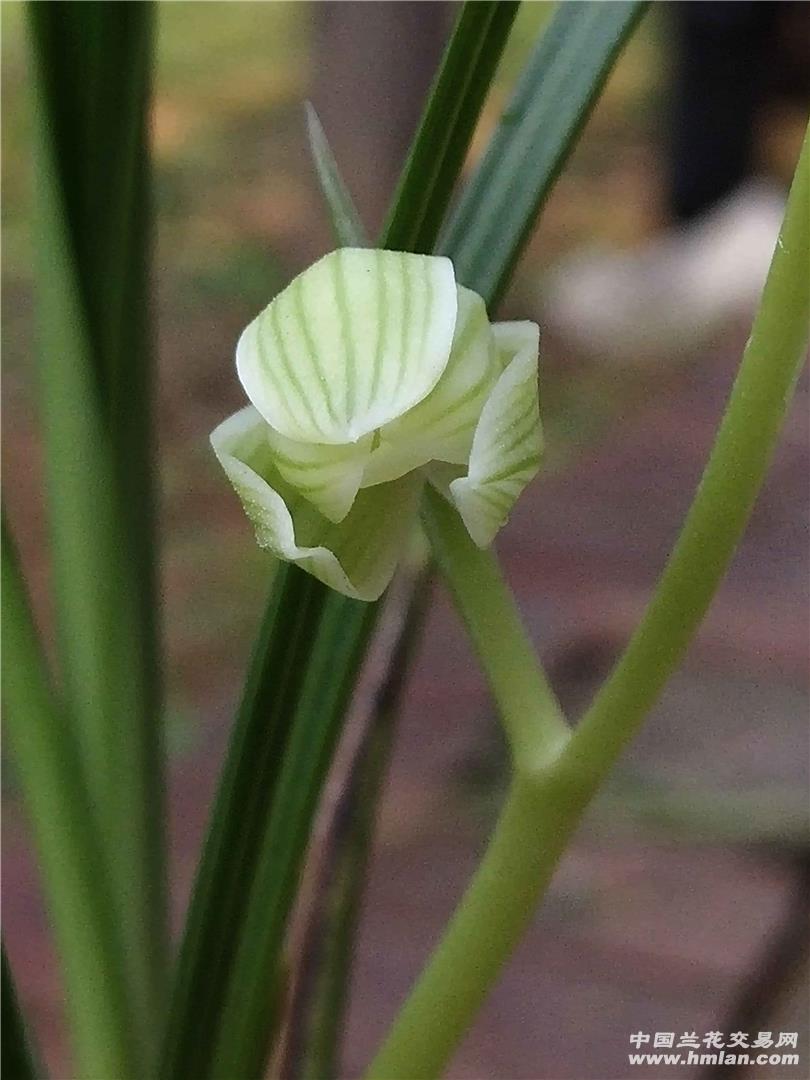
(545,804)
(531,715)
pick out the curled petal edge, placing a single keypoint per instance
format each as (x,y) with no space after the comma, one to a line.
(328,475)
(358,556)
(507,443)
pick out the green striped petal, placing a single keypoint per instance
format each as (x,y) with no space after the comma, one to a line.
(357,556)
(442,425)
(328,476)
(352,343)
(507,443)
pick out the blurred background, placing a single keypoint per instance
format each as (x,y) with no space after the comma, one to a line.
(682,905)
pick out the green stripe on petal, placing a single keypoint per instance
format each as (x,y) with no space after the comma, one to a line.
(328,476)
(507,444)
(351,344)
(357,556)
(441,427)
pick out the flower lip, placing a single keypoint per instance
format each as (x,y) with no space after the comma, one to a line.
(351,344)
(357,556)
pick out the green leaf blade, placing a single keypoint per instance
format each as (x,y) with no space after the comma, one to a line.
(346,223)
(231,849)
(443,139)
(70,854)
(535,135)
(91,76)
(335,654)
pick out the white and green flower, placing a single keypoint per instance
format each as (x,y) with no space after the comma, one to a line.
(370,375)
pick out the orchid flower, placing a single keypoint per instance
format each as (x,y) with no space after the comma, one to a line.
(370,375)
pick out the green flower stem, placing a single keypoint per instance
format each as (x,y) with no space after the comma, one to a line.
(494,913)
(734,474)
(530,712)
(529,837)
(545,805)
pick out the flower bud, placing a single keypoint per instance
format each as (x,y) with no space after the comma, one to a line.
(370,375)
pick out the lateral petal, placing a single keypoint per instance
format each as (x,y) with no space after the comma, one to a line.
(507,443)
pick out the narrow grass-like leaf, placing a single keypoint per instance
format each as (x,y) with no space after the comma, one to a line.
(443,139)
(331,658)
(19,1061)
(91,65)
(227,866)
(316,724)
(346,223)
(318,1008)
(536,133)
(70,856)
